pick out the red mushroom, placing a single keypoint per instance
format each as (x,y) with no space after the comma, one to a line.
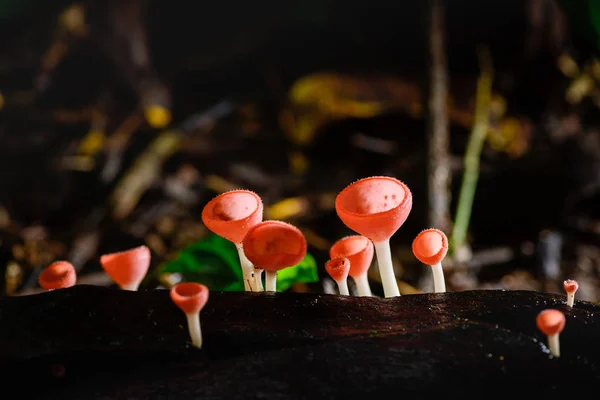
(551,323)
(338,269)
(127,268)
(191,298)
(359,251)
(430,247)
(58,275)
(230,215)
(376,207)
(571,287)
(272,246)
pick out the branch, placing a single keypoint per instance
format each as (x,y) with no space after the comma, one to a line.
(439,176)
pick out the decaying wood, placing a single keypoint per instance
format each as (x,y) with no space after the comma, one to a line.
(92,342)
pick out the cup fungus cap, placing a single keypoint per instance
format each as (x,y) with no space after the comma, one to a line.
(551,322)
(375,207)
(357,249)
(232,214)
(430,246)
(127,268)
(570,286)
(274,245)
(190,297)
(58,275)
(338,268)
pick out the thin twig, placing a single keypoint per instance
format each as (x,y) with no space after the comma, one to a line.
(472,155)
(439,175)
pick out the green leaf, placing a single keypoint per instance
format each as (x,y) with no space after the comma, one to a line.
(305,272)
(214,261)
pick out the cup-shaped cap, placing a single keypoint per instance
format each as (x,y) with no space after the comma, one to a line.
(127,267)
(551,322)
(430,246)
(358,250)
(274,245)
(190,297)
(232,214)
(338,268)
(375,207)
(58,275)
(570,286)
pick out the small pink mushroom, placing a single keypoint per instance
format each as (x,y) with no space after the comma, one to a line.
(191,298)
(231,215)
(338,269)
(430,247)
(272,246)
(359,251)
(58,275)
(551,323)
(571,287)
(376,207)
(127,268)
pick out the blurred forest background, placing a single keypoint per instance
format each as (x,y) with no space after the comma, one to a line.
(119,120)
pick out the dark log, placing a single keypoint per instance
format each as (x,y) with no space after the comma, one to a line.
(91,342)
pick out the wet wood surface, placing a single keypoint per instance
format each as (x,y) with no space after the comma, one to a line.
(90,342)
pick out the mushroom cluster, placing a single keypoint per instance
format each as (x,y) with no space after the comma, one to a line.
(375,208)
(268,246)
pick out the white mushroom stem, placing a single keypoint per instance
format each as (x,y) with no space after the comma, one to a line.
(271,281)
(258,285)
(439,285)
(570,299)
(386,269)
(554,345)
(131,286)
(362,285)
(343,287)
(193,321)
(247,269)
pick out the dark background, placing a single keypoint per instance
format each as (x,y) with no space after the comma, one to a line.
(532,208)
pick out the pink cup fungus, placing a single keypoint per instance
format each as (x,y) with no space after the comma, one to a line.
(127,268)
(191,298)
(571,287)
(551,323)
(376,207)
(272,246)
(231,215)
(58,275)
(338,269)
(359,251)
(430,247)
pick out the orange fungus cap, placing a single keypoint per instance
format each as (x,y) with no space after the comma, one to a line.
(127,267)
(430,246)
(232,214)
(58,275)
(551,322)
(274,245)
(375,207)
(358,250)
(570,286)
(338,268)
(190,297)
